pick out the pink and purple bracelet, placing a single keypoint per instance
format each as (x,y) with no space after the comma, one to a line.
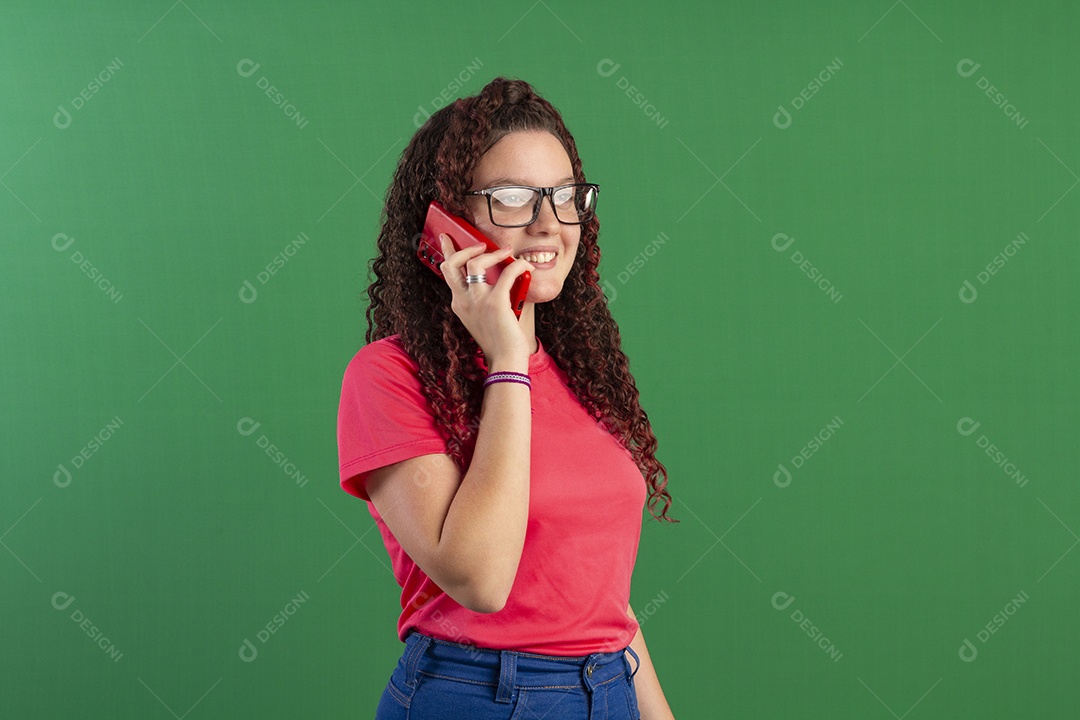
(507,376)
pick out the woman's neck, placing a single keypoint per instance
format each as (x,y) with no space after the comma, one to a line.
(528,324)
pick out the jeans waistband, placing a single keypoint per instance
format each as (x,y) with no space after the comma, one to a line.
(510,669)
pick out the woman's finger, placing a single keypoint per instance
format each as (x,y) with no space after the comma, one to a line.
(483,261)
(453,263)
(510,273)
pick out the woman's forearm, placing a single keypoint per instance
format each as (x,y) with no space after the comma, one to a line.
(484,532)
(650,696)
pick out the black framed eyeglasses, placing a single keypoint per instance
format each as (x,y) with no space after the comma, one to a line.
(519,205)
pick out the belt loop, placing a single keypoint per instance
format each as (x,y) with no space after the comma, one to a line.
(636,660)
(507,676)
(412,659)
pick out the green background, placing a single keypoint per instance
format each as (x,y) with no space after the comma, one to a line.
(900,179)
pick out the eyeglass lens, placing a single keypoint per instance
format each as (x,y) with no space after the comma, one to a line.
(574,204)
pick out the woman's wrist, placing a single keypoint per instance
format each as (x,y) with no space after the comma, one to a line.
(503,376)
(518,363)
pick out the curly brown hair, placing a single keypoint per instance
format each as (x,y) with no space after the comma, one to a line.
(576,328)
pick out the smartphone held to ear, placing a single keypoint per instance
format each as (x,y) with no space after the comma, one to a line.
(463,235)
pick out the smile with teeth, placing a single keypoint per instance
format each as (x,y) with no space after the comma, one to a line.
(538,258)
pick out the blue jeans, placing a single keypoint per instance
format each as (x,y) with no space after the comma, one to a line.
(440,679)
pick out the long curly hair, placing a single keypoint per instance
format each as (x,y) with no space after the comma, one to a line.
(576,328)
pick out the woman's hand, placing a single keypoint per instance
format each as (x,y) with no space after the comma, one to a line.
(485,309)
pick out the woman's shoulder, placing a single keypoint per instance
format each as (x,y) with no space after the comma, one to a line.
(383,347)
(378,357)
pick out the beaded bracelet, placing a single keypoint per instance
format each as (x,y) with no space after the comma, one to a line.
(507,376)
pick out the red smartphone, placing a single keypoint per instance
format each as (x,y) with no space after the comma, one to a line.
(463,235)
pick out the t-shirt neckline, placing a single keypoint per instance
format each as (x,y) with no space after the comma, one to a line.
(539,360)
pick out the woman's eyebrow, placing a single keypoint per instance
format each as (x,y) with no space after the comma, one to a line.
(516,181)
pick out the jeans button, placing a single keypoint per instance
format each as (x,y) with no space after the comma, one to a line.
(589,670)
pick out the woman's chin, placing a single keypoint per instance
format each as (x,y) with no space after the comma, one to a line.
(542,294)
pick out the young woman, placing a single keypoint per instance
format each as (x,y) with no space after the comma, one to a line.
(505,461)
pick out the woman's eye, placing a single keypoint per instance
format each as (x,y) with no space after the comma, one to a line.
(511,198)
(564,196)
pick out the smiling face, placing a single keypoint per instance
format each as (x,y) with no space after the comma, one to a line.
(530,157)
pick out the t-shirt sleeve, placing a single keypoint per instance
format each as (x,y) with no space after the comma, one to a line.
(383,416)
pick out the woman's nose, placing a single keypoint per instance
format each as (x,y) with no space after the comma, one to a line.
(546,221)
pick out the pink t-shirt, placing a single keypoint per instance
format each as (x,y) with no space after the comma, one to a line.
(572,587)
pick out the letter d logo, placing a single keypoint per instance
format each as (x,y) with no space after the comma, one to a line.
(62,118)
(778,598)
(61,237)
(62,477)
(248,293)
(968,652)
(248,652)
(781,477)
(968,293)
(246,426)
(782,118)
(971,66)
(966,426)
(416,119)
(247,67)
(611,291)
(785,246)
(422,476)
(607,67)
(61,600)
